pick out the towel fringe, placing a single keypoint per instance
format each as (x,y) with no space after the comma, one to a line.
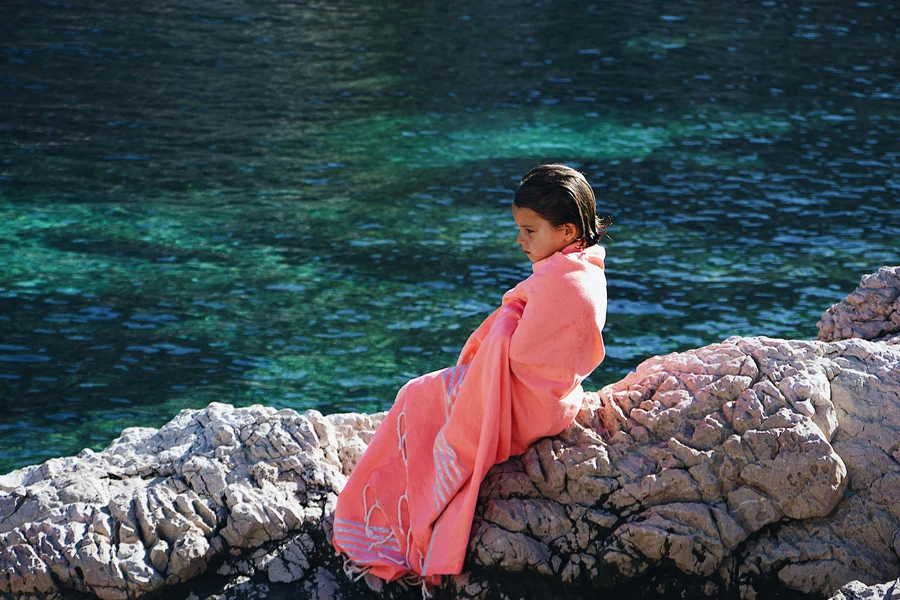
(421,581)
(354,571)
(368,511)
(401,435)
(400,513)
(409,547)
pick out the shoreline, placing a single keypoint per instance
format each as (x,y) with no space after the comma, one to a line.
(737,469)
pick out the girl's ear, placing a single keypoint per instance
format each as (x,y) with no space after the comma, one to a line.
(571,232)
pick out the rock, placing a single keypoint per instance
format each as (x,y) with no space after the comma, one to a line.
(157,508)
(688,460)
(731,470)
(856,590)
(870,312)
(857,539)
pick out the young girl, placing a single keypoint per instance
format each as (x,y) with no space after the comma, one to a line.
(407,508)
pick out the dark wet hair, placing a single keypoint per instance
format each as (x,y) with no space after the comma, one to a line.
(561,195)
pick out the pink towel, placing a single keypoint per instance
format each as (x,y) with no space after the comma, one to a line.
(409,504)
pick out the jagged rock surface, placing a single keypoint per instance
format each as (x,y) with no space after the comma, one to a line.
(870,312)
(857,590)
(726,464)
(245,490)
(728,471)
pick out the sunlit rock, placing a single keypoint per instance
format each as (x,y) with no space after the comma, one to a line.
(731,470)
(872,311)
(687,459)
(856,590)
(157,508)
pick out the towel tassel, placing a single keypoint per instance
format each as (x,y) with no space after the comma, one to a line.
(354,571)
(401,435)
(420,581)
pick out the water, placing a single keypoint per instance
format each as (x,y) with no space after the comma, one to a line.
(306,204)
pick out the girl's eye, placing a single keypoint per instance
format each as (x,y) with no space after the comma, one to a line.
(529,231)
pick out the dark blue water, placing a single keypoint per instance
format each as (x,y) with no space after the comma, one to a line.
(306,204)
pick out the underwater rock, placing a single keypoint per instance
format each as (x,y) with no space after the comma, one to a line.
(870,312)
(733,470)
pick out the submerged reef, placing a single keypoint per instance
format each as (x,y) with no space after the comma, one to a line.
(752,468)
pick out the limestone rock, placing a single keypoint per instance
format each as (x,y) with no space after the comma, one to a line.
(726,471)
(157,507)
(870,312)
(856,590)
(685,462)
(859,539)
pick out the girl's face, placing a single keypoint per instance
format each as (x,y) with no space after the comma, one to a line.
(537,237)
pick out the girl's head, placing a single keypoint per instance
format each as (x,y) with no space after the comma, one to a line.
(553,207)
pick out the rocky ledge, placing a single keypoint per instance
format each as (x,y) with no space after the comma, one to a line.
(753,468)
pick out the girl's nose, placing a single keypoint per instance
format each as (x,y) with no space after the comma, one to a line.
(519,238)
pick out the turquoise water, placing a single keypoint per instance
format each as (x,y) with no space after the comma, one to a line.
(305,205)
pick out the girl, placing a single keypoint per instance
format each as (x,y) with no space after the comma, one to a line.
(407,508)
